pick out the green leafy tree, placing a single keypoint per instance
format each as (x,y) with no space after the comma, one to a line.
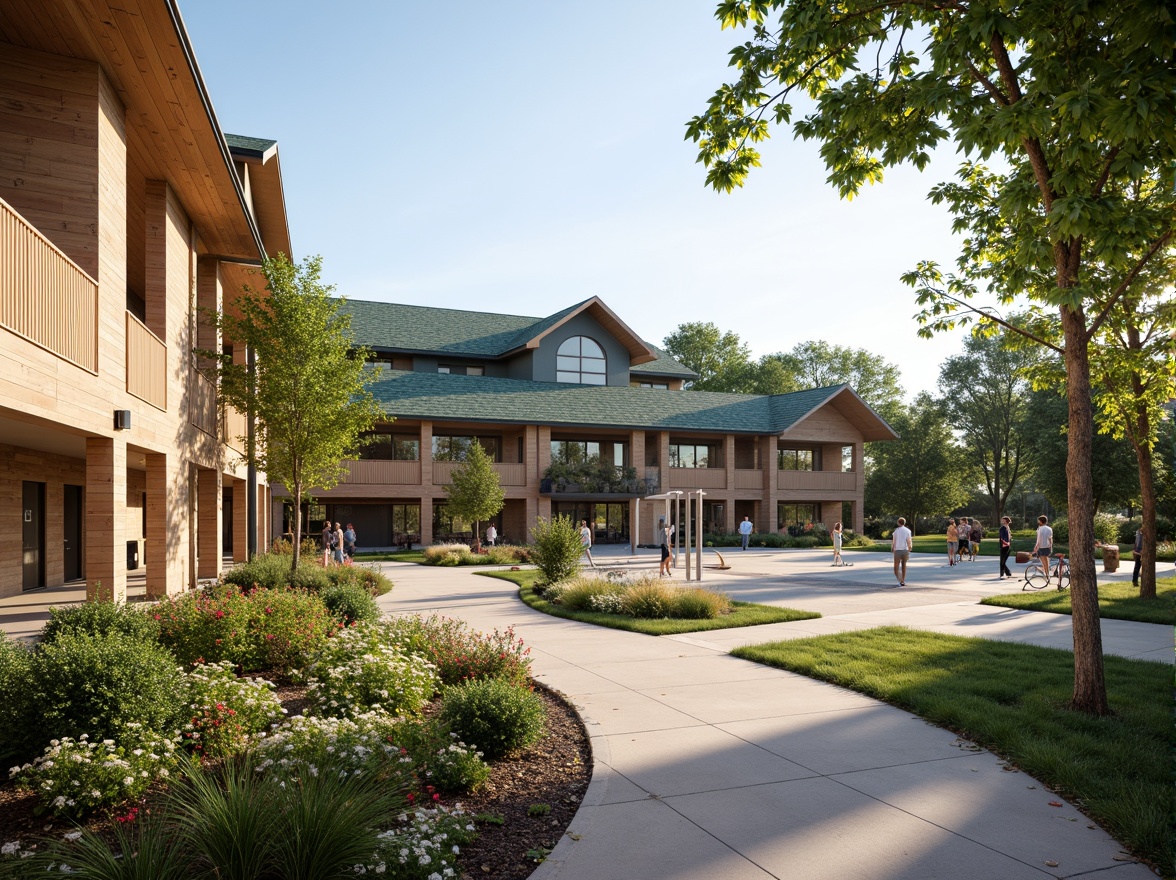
(309,390)
(475,494)
(918,474)
(986,396)
(1075,106)
(1115,482)
(720,359)
(557,548)
(817,364)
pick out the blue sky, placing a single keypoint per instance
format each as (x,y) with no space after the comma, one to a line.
(522,156)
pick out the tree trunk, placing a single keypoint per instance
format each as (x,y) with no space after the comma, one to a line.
(1090,692)
(297,487)
(1147,492)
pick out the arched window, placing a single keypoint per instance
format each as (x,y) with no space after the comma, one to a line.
(580,360)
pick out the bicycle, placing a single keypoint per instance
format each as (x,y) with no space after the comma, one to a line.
(1035,578)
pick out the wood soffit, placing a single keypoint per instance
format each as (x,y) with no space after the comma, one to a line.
(145,53)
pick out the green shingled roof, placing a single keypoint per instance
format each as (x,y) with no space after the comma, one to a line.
(448,397)
(256,147)
(396,327)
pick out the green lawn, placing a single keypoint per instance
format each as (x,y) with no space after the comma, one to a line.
(938,544)
(417,556)
(1012,700)
(1117,600)
(745,613)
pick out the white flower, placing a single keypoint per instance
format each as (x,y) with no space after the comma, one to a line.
(10,848)
(130,780)
(73,835)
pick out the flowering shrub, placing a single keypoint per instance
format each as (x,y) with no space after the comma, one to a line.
(423,845)
(352,746)
(350,602)
(260,629)
(458,652)
(100,618)
(356,672)
(226,712)
(500,717)
(74,777)
(442,760)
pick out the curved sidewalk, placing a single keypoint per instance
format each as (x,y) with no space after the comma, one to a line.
(708,766)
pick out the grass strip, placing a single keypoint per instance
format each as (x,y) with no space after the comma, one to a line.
(1012,699)
(417,556)
(744,613)
(1117,600)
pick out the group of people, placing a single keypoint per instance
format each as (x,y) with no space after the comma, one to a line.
(964,538)
(338,543)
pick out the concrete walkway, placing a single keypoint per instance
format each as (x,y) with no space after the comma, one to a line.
(707,766)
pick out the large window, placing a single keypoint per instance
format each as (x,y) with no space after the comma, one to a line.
(696,455)
(455,447)
(580,360)
(383,446)
(574,451)
(846,459)
(796,516)
(795,459)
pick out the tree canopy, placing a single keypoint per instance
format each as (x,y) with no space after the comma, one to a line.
(1071,103)
(720,359)
(920,474)
(475,493)
(308,392)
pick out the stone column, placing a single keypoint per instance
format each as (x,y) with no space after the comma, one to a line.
(106,505)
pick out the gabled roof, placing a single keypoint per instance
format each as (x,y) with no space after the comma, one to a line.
(245,147)
(393,327)
(451,397)
(260,157)
(665,365)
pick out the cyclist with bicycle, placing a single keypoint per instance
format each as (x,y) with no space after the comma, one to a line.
(1044,546)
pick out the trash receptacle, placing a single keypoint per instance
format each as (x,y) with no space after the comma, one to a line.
(132,555)
(1110,557)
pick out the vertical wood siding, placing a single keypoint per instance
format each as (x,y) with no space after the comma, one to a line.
(44,296)
(146,364)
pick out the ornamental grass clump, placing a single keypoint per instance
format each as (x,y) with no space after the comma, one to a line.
(448,554)
(648,599)
(577,594)
(367,577)
(227,713)
(699,604)
(499,717)
(356,672)
(77,776)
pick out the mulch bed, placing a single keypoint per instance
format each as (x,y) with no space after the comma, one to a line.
(554,773)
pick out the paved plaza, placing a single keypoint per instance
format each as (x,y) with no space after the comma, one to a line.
(708,766)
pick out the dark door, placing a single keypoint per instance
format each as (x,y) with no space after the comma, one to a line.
(73,532)
(33,535)
(227,521)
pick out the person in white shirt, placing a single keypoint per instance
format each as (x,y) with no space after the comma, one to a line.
(586,541)
(1044,546)
(901,544)
(491,534)
(745,530)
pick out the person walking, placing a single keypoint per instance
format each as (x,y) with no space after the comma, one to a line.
(349,541)
(975,536)
(491,534)
(1137,555)
(1006,546)
(901,544)
(964,530)
(745,529)
(328,536)
(837,560)
(337,543)
(1044,545)
(586,541)
(953,541)
(666,557)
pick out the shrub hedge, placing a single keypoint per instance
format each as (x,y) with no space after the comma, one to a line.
(494,716)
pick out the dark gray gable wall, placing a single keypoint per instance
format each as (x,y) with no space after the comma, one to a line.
(581,325)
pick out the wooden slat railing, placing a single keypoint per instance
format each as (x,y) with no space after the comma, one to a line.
(508,474)
(44,296)
(146,364)
(203,404)
(234,427)
(383,473)
(821,481)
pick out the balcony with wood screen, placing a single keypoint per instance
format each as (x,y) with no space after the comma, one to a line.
(146,364)
(509,474)
(817,481)
(44,296)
